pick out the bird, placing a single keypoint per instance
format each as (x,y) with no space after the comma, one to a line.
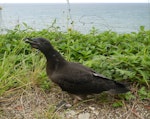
(73,77)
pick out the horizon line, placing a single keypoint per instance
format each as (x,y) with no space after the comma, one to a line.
(70,2)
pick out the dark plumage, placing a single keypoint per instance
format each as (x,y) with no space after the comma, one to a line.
(73,77)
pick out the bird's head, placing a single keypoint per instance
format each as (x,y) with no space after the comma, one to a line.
(39,43)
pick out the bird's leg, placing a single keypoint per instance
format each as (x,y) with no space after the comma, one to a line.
(60,104)
(77,98)
(63,102)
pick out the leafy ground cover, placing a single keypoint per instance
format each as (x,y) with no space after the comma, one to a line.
(122,57)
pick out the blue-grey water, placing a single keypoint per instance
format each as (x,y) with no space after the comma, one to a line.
(82,17)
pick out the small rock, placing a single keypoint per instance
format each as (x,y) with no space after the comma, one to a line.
(71,113)
(68,105)
(91,108)
(96,112)
(84,115)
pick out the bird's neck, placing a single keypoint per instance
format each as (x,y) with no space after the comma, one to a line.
(54,60)
(55,57)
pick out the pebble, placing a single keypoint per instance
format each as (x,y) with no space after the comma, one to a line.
(91,108)
(84,116)
(71,113)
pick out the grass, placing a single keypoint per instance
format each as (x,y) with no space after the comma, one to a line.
(122,57)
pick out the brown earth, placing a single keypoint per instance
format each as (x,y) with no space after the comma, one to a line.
(36,104)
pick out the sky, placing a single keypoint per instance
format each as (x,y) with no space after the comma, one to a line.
(75,1)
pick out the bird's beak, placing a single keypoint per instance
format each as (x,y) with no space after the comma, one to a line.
(28,40)
(32,42)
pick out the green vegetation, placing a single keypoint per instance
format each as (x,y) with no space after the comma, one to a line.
(122,57)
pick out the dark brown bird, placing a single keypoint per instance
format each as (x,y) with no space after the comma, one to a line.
(73,77)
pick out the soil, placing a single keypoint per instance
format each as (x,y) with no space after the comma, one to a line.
(36,104)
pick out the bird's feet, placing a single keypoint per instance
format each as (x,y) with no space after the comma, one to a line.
(62,105)
(77,98)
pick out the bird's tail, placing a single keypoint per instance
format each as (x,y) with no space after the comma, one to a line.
(112,86)
(119,88)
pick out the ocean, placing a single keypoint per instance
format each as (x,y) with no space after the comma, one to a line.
(118,17)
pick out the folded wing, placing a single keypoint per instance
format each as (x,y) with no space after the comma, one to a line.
(78,79)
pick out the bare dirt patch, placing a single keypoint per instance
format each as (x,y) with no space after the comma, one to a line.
(36,104)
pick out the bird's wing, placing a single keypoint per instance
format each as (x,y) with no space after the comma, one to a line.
(78,74)
(86,72)
(73,75)
(76,78)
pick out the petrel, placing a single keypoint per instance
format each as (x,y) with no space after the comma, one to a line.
(73,77)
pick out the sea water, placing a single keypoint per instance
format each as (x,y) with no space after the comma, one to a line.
(118,17)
